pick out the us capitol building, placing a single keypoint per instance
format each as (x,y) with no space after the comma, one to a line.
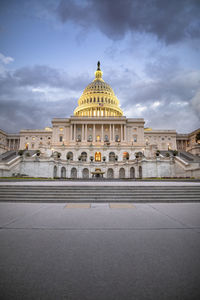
(99,138)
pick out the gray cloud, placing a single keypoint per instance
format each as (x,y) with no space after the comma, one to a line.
(31,97)
(170,21)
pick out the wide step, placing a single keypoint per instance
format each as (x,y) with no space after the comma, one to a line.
(100,193)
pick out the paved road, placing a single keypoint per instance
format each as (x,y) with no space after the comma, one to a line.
(97,251)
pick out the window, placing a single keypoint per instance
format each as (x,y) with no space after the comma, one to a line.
(163,139)
(41,138)
(49,138)
(135,139)
(32,146)
(98,156)
(26,138)
(61,138)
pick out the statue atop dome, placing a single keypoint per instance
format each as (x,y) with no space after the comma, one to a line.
(98,66)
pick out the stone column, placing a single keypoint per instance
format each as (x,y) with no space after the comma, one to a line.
(94,133)
(110,133)
(113,132)
(86,132)
(121,133)
(125,133)
(75,132)
(102,137)
(82,136)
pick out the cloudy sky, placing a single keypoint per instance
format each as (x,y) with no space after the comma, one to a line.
(149,52)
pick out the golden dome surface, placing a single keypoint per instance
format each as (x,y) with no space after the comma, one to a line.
(98,99)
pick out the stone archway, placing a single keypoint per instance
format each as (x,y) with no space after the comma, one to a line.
(121,173)
(110,173)
(55,169)
(63,172)
(85,173)
(73,173)
(132,172)
(140,171)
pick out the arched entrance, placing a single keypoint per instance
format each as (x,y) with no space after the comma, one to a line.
(26,146)
(132,172)
(63,172)
(121,173)
(85,173)
(140,172)
(110,173)
(73,173)
(98,156)
(55,172)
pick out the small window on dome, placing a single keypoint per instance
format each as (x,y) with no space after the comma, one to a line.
(94,100)
(108,100)
(90,100)
(87,100)
(98,99)
(101,99)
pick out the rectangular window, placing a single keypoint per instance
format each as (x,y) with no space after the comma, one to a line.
(135,139)
(61,138)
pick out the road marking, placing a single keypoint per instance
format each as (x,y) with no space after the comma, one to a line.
(78,205)
(121,205)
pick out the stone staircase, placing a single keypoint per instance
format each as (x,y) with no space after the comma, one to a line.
(48,194)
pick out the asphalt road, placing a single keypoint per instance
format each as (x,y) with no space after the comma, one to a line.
(140,251)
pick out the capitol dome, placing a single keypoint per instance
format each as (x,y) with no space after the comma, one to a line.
(98,99)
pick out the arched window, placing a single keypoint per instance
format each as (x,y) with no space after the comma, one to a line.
(73,173)
(110,173)
(85,173)
(54,172)
(63,172)
(132,172)
(111,156)
(84,156)
(125,156)
(98,156)
(94,100)
(121,173)
(69,156)
(98,99)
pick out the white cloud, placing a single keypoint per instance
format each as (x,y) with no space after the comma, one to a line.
(155,104)
(6,59)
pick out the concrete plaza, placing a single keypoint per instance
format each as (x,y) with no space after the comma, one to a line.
(99,251)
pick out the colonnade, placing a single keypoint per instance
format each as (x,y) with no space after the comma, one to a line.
(13,144)
(111,133)
(99,112)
